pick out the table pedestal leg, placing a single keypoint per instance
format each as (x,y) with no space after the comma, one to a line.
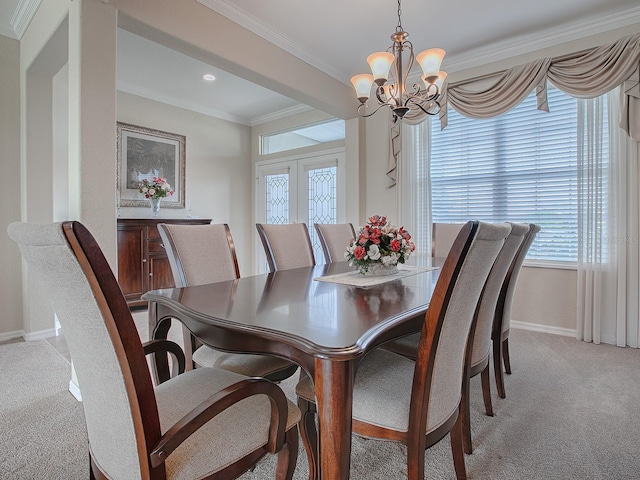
(334,396)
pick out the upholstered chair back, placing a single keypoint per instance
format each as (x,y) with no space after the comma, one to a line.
(442,237)
(509,287)
(449,320)
(286,246)
(334,239)
(488,305)
(96,341)
(200,254)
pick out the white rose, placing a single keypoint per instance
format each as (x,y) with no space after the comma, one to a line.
(144,189)
(390,259)
(373,252)
(151,191)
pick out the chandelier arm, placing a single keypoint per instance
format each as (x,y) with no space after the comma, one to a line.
(415,101)
(365,115)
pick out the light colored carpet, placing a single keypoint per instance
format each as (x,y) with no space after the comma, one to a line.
(572,412)
(42,424)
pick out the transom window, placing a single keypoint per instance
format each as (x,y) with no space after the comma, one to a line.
(302,137)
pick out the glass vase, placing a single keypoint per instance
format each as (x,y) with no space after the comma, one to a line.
(155,206)
(379,270)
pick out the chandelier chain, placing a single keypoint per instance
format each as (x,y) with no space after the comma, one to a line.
(399,27)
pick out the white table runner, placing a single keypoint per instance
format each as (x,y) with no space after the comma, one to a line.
(356,279)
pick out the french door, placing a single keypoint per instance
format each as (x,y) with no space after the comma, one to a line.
(307,189)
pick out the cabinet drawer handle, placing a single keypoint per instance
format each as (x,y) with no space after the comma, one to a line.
(151,274)
(144,260)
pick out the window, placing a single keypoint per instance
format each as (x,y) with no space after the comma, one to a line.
(518,167)
(302,137)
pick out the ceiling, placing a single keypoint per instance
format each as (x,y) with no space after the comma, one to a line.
(336,36)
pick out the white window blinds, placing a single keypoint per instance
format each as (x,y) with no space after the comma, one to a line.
(518,167)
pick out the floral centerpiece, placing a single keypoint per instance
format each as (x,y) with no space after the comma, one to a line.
(158,187)
(155,190)
(379,247)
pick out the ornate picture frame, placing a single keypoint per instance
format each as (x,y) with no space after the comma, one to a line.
(145,153)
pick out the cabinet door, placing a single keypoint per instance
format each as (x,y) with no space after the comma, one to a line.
(160,275)
(131,261)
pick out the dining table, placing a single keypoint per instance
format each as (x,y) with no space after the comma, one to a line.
(325,318)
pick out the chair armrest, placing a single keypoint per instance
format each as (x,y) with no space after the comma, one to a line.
(219,402)
(155,346)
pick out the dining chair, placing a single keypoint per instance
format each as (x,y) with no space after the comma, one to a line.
(481,346)
(286,246)
(502,321)
(201,254)
(334,239)
(418,403)
(442,237)
(202,423)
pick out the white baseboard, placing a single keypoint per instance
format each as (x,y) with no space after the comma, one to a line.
(11,335)
(536,327)
(75,390)
(40,335)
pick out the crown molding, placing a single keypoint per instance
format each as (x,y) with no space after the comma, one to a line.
(547,38)
(246,20)
(180,103)
(287,112)
(25,10)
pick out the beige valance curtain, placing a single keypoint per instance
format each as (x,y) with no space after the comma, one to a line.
(587,74)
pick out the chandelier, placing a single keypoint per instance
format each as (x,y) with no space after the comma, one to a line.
(391,88)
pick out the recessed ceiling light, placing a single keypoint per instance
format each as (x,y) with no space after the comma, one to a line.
(208,77)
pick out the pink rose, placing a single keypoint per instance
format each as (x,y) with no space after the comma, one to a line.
(359,252)
(395,245)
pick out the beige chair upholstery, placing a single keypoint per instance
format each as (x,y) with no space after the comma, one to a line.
(200,254)
(442,237)
(334,240)
(286,246)
(419,403)
(502,321)
(408,346)
(180,429)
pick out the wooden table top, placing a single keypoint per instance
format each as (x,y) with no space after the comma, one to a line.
(321,319)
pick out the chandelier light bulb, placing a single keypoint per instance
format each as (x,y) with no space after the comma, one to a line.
(362,83)
(430,61)
(437,81)
(380,63)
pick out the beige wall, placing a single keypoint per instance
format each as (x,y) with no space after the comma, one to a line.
(546,299)
(218,166)
(67,55)
(10,286)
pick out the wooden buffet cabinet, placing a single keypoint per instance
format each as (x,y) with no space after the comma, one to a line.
(142,261)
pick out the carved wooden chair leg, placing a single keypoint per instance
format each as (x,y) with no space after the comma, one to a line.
(288,456)
(497,368)
(309,435)
(457,449)
(505,356)
(486,391)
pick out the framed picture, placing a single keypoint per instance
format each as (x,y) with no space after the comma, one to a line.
(146,153)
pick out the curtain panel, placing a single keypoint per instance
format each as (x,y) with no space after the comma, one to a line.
(587,74)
